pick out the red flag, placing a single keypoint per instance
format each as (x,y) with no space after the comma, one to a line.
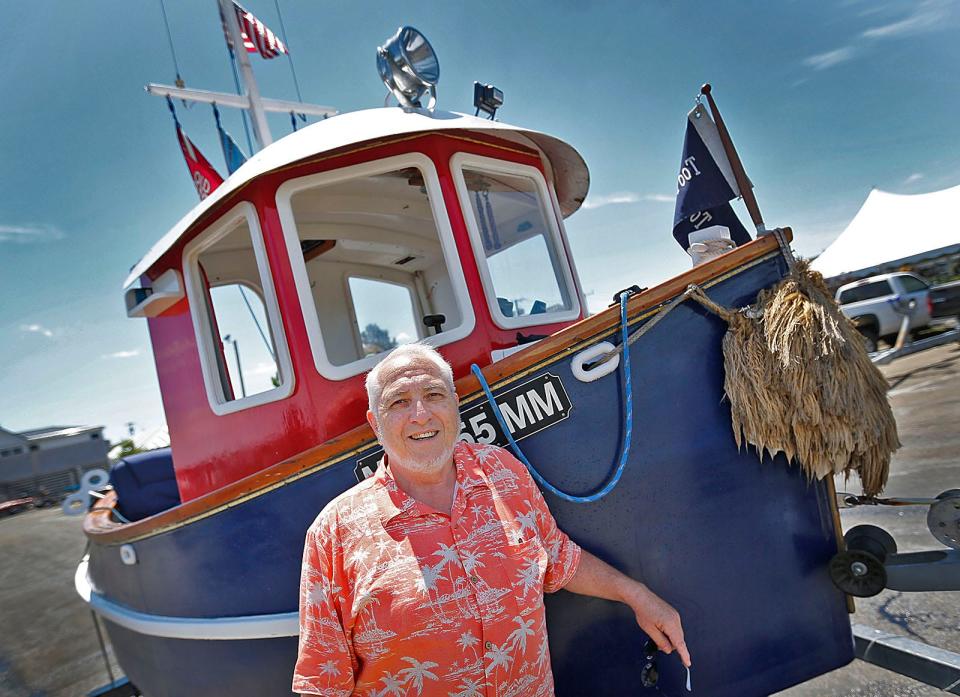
(257,37)
(205,177)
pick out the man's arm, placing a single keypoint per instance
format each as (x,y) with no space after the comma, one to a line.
(655,616)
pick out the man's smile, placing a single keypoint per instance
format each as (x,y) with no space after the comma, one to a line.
(426,435)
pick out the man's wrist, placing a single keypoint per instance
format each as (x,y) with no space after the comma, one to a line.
(632,592)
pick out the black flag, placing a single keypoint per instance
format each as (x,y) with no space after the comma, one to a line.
(705,184)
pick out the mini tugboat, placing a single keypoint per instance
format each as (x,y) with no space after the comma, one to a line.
(453,225)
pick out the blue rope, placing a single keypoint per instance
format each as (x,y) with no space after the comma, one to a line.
(627,422)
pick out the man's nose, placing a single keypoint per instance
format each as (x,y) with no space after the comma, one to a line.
(419,411)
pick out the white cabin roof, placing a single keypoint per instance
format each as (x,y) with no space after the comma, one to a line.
(567,168)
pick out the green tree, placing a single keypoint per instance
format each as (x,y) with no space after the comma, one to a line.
(128,448)
(376,339)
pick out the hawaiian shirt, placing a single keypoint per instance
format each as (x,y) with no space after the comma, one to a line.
(397,598)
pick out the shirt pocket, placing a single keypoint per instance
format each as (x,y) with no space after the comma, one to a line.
(526,563)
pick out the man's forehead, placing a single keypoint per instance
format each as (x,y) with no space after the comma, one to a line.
(404,374)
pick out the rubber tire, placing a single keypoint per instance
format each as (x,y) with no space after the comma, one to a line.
(872,539)
(870,338)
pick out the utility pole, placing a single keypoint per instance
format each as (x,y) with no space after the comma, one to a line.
(236,353)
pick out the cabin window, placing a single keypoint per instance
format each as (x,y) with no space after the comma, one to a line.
(517,241)
(385,314)
(373,255)
(243,355)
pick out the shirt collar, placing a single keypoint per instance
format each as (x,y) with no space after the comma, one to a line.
(392,501)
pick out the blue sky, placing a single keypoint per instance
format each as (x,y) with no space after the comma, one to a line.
(825,100)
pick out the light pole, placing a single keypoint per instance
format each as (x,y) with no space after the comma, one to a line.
(236,353)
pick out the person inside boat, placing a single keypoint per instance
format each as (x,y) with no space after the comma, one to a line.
(430,575)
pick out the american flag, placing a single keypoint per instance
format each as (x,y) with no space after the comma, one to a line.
(257,36)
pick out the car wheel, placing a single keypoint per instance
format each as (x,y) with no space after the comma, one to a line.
(870,338)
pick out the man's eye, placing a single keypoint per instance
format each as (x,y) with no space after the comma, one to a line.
(398,403)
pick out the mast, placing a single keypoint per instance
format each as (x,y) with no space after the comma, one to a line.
(261,128)
(251,100)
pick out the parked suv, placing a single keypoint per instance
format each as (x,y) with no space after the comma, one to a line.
(876,304)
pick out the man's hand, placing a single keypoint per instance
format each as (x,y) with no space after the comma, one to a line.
(654,615)
(658,620)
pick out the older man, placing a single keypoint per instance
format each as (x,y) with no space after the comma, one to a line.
(428,577)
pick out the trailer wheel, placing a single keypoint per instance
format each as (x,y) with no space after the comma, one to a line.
(858,573)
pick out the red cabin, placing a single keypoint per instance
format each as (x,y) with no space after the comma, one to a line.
(269,302)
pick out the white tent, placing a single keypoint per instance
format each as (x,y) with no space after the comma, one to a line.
(893,229)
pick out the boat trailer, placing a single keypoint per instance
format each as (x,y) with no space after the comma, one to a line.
(870,563)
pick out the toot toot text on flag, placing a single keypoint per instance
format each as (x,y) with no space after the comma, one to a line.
(705,183)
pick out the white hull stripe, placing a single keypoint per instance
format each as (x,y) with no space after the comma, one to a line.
(284,624)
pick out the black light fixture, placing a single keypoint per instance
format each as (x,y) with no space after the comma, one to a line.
(487,99)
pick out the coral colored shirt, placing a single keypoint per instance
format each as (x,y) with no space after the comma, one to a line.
(397,598)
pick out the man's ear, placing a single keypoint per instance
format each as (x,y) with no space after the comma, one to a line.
(372,420)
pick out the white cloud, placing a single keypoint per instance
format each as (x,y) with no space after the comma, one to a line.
(925,17)
(621,197)
(915,177)
(822,61)
(122,354)
(404,338)
(37,329)
(25,234)
(262,368)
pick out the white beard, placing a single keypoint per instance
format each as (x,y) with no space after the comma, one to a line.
(428,466)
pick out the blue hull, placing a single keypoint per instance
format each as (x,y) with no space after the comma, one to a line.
(740,547)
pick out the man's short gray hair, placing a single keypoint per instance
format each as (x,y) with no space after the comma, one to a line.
(415,352)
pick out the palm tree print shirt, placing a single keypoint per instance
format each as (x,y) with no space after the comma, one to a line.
(397,598)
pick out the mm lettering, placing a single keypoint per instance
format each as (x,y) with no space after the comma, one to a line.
(544,408)
(531,407)
(517,419)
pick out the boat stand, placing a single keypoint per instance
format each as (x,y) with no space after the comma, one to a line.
(870,563)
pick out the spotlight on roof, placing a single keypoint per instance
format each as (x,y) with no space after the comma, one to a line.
(487,99)
(409,67)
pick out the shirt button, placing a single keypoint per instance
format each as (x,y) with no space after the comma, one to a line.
(488,645)
(475,579)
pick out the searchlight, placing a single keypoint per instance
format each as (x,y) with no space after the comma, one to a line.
(409,67)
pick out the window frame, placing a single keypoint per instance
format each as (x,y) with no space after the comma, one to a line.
(196,291)
(555,237)
(903,280)
(451,256)
(415,304)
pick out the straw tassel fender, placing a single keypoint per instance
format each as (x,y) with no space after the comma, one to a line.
(800,382)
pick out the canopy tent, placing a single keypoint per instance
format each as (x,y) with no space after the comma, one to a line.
(893,229)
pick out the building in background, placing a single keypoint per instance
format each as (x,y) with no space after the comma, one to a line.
(48,461)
